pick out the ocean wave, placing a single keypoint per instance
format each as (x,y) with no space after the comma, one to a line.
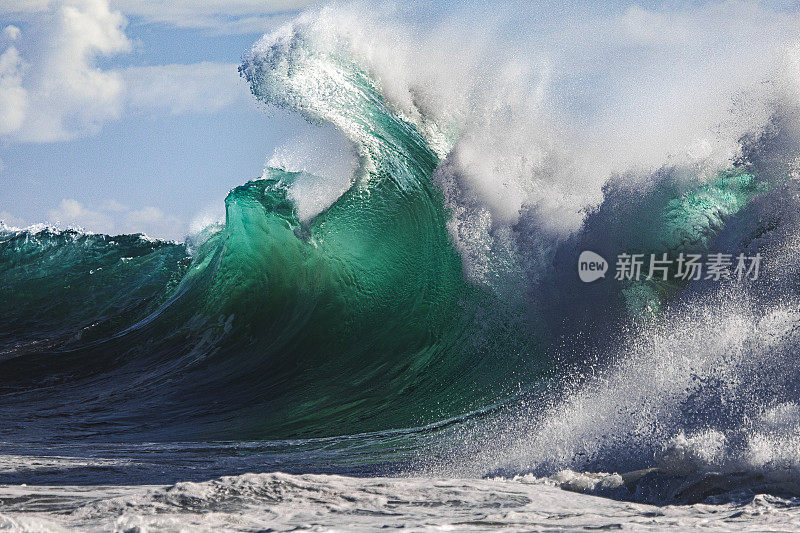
(434,278)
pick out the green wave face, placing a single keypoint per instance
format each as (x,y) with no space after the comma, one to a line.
(61,285)
(363,318)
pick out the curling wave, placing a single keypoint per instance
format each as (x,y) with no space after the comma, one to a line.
(356,320)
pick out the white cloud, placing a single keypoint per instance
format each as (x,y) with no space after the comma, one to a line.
(154,222)
(114,206)
(176,89)
(11,32)
(56,91)
(71,212)
(51,88)
(13,96)
(112,217)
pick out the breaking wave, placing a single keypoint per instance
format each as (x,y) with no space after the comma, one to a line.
(437,292)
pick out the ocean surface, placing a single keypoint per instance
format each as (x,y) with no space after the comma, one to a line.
(405,349)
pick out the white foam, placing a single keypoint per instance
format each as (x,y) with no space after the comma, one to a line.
(282,502)
(327,162)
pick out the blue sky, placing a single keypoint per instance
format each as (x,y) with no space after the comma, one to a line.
(128,115)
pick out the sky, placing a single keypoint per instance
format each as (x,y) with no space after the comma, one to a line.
(122,116)
(125,116)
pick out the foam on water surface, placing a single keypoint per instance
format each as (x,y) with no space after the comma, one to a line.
(283,502)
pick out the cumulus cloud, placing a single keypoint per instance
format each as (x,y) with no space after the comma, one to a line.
(56,91)
(71,212)
(13,97)
(154,222)
(11,32)
(113,217)
(52,89)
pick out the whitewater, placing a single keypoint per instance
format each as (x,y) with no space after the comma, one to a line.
(390,330)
